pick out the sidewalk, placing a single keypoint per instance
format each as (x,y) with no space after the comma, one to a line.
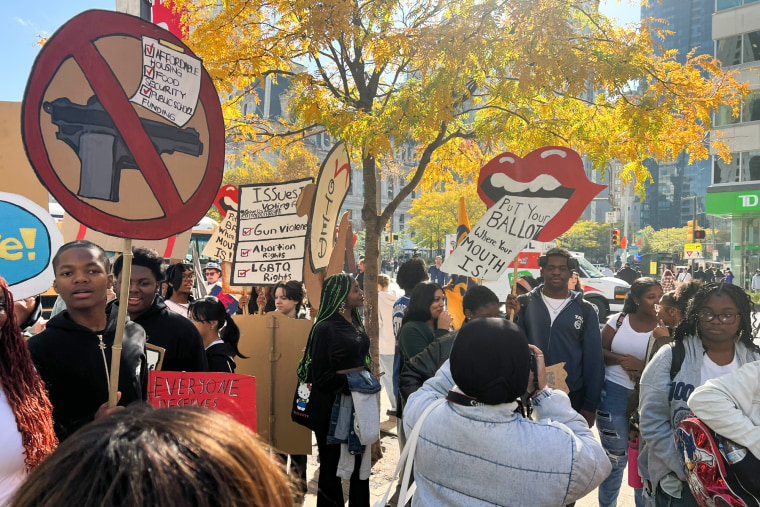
(382,471)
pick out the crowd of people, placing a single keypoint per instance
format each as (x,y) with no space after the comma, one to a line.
(500,411)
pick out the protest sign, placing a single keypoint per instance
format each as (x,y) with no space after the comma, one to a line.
(230,393)
(545,176)
(332,186)
(226,199)
(124,126)
(221,245)
(17,175)
(173,247)
(29,239)
(505,229)
(537,197)
(274,345)
(271,237)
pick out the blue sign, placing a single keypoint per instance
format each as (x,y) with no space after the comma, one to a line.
(29,238)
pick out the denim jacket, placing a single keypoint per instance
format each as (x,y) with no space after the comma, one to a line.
(490,455)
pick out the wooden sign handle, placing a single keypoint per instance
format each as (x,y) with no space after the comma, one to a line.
(126,273)
(514,288)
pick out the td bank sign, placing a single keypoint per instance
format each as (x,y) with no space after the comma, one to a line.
(740,203)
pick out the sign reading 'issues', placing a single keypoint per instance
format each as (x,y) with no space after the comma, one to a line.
(271,237)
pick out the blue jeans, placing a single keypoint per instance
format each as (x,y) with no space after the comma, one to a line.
(612,425)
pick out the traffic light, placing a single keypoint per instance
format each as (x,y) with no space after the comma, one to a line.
(692,227)
(700,234)
(615,237)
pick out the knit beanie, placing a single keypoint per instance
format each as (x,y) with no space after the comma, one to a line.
(490,360)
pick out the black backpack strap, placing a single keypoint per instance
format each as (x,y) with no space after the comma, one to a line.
(679,353)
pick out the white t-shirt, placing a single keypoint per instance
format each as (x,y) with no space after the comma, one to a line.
(710,370)
(12,468)
(554,306)
(626,341)
(177,308)
(385,302)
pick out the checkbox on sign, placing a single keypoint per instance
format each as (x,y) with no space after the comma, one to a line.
(247,232)
(242,272)
(244,253)
(148,70)
(145,90)
(149,50)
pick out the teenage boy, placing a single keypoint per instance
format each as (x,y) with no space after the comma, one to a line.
(178,337)
(181,279)
(73,355)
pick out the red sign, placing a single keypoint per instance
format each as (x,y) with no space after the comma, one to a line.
(230,393)
(541,174)
(168,19)
(123,126)
(623,243)
(226,199)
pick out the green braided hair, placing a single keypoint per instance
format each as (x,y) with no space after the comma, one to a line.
(334,292)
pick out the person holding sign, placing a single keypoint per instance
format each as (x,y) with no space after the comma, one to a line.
(73,355)
(219,332)
(148,457)
(563,325)
(26,418)
(173,336)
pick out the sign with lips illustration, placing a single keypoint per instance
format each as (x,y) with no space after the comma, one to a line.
(545,174)
(537,197)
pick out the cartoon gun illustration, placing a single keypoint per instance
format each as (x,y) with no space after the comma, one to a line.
(92,134)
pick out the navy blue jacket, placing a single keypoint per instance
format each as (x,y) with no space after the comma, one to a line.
(570,340)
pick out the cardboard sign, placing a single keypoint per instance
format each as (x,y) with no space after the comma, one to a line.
(15,172)
(548,174)
(332,186)
(271,237)
(274,345)
(173,247)
(230,393)
(504,230)
(221,245)
(124,126)
(29,239)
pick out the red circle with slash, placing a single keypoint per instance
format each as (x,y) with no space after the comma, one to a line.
(76,39)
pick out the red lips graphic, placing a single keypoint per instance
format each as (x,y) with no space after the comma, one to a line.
(562,164)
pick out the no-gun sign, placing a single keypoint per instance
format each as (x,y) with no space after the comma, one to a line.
(123,126)
(538,197)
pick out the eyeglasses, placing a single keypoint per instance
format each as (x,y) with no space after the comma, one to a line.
(725,318)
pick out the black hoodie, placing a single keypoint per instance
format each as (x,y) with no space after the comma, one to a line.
(175,334)
(70,362)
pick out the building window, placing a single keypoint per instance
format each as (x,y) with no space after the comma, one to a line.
(750,162)
(738,49)
(401,222)
(726,172)
(389,187)
(728,4)
(751,107)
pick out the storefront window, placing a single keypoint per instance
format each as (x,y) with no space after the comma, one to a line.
(745,252)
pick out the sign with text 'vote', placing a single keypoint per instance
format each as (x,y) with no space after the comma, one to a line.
(29,238)
(271,237)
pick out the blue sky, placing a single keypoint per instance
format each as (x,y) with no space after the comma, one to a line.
(23,21)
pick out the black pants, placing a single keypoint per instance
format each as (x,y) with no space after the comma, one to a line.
(330,487)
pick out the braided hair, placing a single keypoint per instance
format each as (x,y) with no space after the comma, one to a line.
(334,292)
(24,389)
(690,324)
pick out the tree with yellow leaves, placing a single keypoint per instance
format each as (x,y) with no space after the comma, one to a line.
(453,78)
(435,214)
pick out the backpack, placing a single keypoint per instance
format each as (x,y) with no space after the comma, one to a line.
(719,471)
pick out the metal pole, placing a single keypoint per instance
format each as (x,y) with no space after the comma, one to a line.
(694,234)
